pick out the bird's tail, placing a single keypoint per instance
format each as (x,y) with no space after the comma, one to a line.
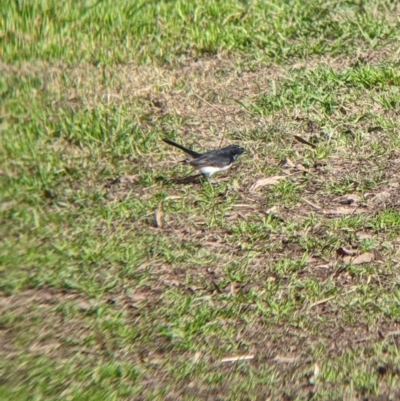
(186,150)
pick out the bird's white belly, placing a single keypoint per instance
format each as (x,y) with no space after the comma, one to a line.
(211,170)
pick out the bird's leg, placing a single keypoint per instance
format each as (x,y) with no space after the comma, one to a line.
(207,178)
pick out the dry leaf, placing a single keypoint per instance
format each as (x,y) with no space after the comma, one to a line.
(313,205)
(214,244)
(314,378)
(233,289)
(366,257)
(43,348)
(156,358)
(271,210)
(344,210)
(267,181)
(243,205)
(364,235)
(286,359)
(316,370)
(381,197)
(232,216)
(300,167)
(158,215)
(326,266)
(311,259)
(237,358)
(321,301)
(138,296)
(196,356)
(84,306)
(287,163)
(6,205)
(377,255)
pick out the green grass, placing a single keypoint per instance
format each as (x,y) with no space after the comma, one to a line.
(119,282)
(113,32)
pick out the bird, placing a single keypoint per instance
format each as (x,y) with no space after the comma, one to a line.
(212,161)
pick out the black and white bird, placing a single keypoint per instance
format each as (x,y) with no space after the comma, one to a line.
(212,161)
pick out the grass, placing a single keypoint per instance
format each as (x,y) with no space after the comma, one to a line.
(118,281)
(145,31)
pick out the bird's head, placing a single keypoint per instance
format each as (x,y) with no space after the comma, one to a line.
(235,150)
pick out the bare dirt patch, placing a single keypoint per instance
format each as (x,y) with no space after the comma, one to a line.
(40,305)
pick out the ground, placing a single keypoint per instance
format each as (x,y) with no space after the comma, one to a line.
(123,279)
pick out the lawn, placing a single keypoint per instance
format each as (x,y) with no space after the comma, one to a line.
(122,279)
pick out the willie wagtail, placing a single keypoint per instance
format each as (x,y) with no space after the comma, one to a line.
(212,161)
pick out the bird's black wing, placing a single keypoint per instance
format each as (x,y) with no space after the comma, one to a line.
(212,159)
